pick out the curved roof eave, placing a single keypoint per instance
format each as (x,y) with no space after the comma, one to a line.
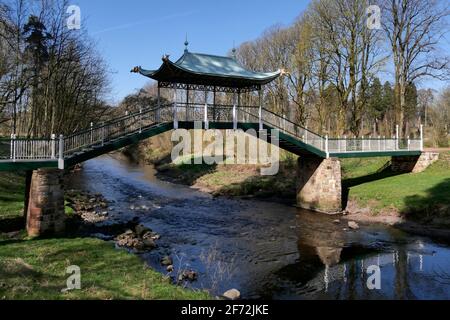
(258,75)
(168,68)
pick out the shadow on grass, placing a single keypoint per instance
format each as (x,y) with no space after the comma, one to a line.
(434,205)
(12,191)
(12,224)
(382,173)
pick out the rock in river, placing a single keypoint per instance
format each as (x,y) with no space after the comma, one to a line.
(232,294)
(353,225)
(141,230)
(130,239)
(166,261)
(189,275)
(149,243)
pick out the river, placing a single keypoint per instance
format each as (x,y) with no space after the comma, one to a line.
(267,250)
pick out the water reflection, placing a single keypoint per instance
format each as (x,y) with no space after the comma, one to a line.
(333,262)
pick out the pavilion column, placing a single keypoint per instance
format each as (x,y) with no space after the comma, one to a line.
(239,103)
(206,111)
(158,111)
(261,127)
(214,104)
(175,107)
(234,112)
(187,105)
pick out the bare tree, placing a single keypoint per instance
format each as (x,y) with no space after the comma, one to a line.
(353,54)
(301,68)
(53,77)
(415,29)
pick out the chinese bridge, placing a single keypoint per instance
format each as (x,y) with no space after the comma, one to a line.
(319,173)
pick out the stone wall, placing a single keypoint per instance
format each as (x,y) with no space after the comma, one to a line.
(414,164)
(45,213)
(319,184)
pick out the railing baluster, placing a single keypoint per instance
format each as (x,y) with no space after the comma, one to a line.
(53,137)
(61,152)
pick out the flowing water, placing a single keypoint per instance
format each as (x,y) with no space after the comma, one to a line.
(267,250)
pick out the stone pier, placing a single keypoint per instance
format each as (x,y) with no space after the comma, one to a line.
(319,186)
(414,164)
(45,209)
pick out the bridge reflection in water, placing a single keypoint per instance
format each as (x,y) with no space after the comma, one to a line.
(333,262)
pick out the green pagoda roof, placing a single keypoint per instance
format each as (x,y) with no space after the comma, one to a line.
(208,70)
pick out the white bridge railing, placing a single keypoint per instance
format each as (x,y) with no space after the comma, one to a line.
(59,147)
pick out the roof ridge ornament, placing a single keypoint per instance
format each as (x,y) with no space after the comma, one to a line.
(284,72)
(233,51)
(186,44)
(136,69)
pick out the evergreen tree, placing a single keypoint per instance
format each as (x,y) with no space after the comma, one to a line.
(376,108)
(375,103)
(388,96)
(411,106)
(388,103)
(36,39)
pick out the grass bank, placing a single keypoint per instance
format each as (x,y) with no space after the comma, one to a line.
(423,196)
(36,268)
(235,180)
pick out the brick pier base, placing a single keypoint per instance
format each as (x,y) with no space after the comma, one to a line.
(45,210)
(319,186)
(414,164)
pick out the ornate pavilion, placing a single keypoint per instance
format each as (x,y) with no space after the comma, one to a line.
(209,74)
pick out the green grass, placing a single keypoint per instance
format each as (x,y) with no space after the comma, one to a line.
(36,269)
(68,209)
(12,190)
(12,193)
(427,192)
(360,167)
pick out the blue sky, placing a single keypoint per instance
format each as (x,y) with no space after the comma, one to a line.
(139,32)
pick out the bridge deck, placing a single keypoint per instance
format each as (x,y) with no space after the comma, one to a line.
(30,154)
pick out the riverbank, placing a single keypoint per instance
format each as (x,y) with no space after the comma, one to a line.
(36,268)
(372,192)
(421,197)
(243,181)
